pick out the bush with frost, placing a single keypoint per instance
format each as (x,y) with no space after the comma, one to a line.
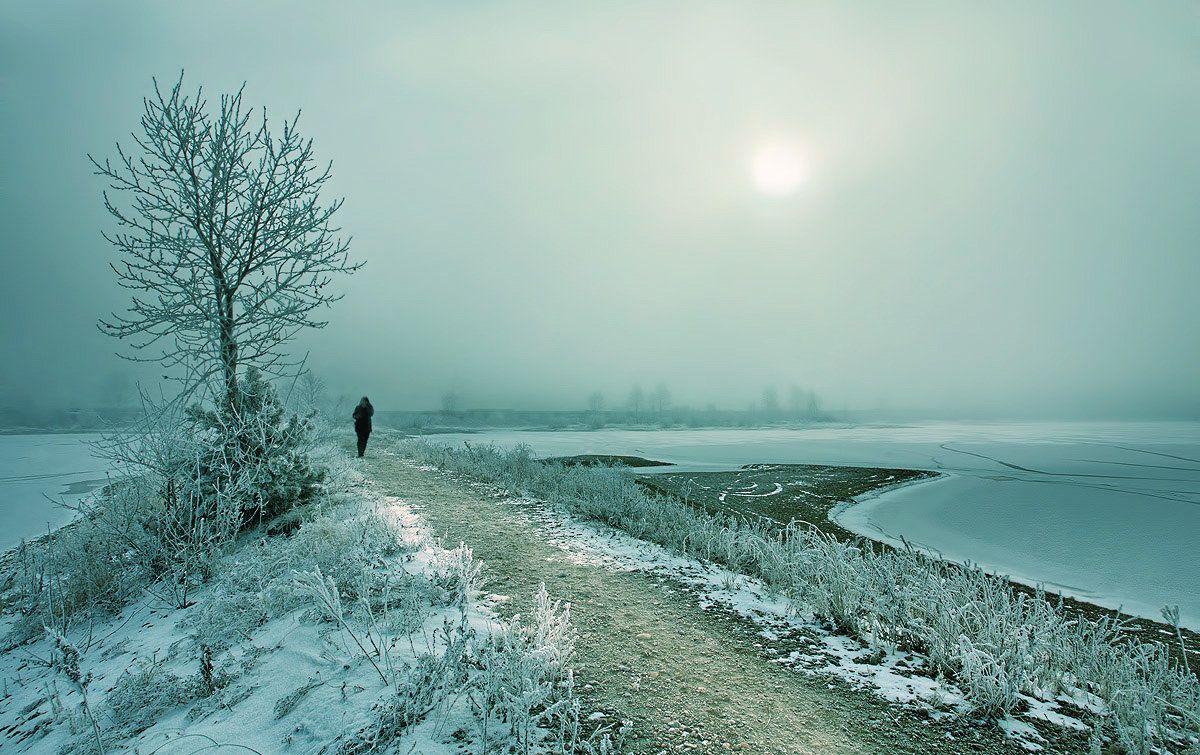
(191,482)
(77,574)
(352,545)
(517,681)
(140,696)
(252,455)
(195,480)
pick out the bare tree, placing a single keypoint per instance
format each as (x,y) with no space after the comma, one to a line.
(660,400)
(311,393)
(223,240)
(814,405)
(636,398)
(770,401)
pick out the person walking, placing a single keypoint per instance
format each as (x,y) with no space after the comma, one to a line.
(362,423)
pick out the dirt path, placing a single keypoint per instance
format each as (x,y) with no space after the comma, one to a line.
(690,680)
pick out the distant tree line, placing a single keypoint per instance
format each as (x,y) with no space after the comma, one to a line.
(642,408)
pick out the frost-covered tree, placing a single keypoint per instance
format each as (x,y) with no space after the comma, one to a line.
(770,401)
(660,399)
(224,241)
(637,397)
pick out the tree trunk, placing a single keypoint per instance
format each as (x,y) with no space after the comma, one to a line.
(229,349)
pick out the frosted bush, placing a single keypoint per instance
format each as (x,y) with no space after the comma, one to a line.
(140,696)
(197,477)
(457,573)
(419,690)
(81,572)
(517,680)
(524,672)
(251,455)
(345,544)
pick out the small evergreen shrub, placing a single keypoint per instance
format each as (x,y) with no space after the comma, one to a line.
(252,453)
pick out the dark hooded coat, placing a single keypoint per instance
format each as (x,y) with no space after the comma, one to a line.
(362,419)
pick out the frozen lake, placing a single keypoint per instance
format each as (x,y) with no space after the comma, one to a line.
(1108,513)
(37,468)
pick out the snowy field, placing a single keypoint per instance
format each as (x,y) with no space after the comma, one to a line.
(1109,513)
(270,656)
(35,472)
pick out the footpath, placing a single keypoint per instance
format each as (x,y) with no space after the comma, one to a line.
(689,679)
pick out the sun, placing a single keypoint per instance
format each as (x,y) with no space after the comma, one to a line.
(778,169)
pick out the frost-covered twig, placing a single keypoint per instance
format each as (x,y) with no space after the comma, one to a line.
(64,657)
(212,744)
(323,590)
(1170,614)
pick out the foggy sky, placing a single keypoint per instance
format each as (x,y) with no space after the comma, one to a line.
(1001,212)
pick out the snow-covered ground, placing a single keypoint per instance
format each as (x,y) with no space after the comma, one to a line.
(36,471)
(1105,512)
(793,640)
(258,662)
(1108,512)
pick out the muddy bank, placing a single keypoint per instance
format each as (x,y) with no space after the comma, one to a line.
(780,493)
(783,493)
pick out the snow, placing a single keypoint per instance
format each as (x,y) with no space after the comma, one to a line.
(1022,731)
(36,471)
(600,546)
(1091,544)
(792,639)
(296,683)
(1106,512)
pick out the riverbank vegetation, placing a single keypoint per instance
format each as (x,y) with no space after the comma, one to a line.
(339,620)
(1001,647)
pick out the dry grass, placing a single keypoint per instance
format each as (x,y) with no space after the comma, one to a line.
(994,642)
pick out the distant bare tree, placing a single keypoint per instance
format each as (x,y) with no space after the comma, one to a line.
(814,405)
(223,240)
(660,400)
(451,402)
(770,401)
(311,392)
(596,402)
(636,399)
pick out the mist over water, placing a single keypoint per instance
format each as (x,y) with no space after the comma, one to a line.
(992,211)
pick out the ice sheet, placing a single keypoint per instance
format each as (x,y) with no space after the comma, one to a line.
(36,471)
(1108,512)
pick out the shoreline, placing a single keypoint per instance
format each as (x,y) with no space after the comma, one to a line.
(828,517)
(855,516)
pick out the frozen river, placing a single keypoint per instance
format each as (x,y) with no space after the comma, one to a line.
(35,472)
(1109,513)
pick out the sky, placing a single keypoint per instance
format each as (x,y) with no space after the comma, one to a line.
(954,209)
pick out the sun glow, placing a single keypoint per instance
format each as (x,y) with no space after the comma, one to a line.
(778,169)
